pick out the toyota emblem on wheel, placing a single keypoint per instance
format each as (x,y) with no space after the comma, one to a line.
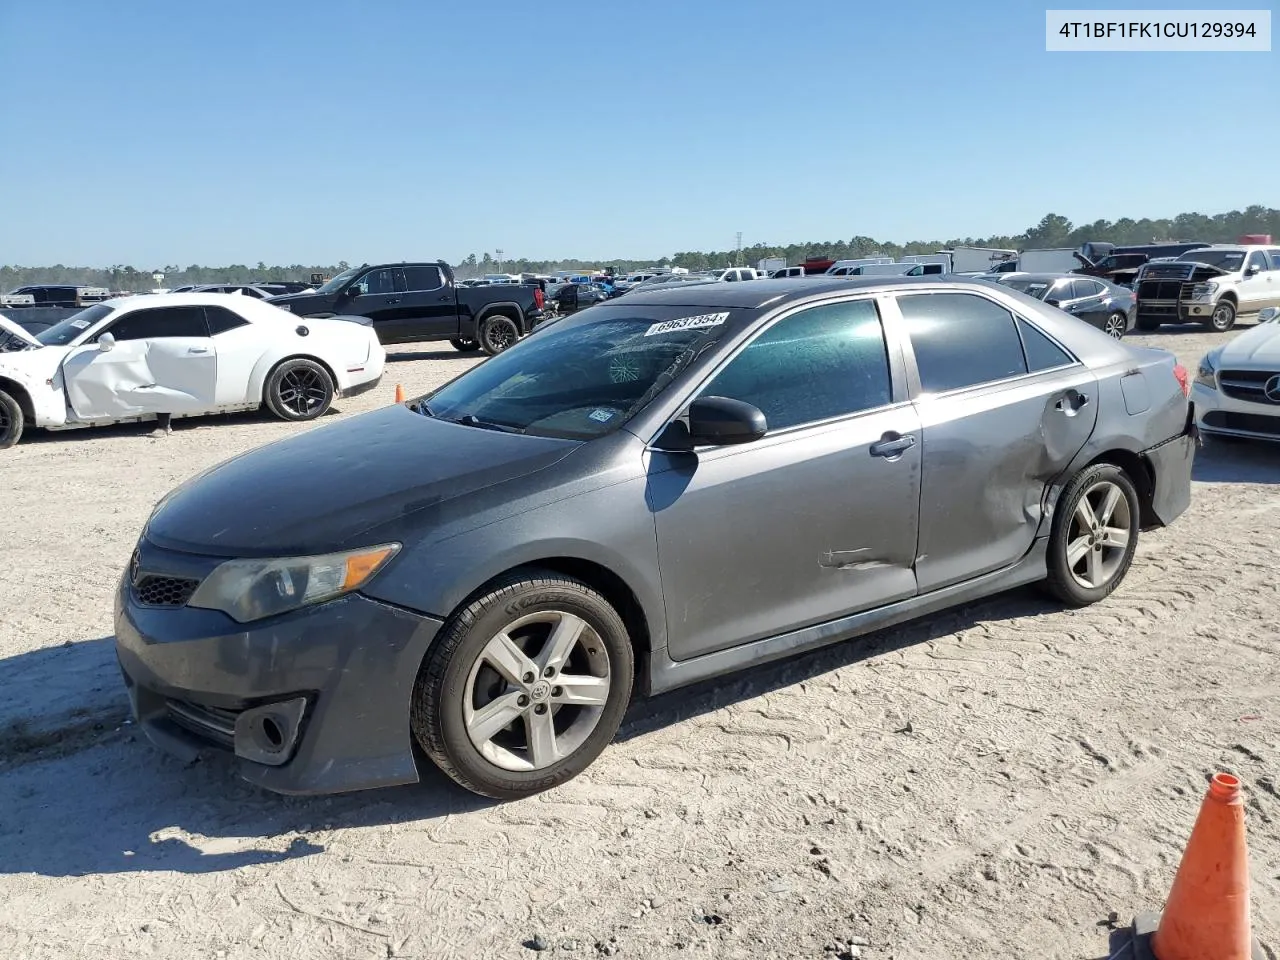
(1271,389)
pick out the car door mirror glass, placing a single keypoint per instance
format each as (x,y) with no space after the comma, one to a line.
(720,421)
(1054,302)
(106,342)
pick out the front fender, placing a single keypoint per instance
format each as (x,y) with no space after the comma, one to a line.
(40,379)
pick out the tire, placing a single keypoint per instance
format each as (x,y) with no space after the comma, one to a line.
(1147,325)
(459,673)
(464,346)
(1115,326)
(1088,584)
(1223,318)
(497,333)
(11,421)
(299,390)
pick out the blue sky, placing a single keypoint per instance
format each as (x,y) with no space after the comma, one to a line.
(313,132)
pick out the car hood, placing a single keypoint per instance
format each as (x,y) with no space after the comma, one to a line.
(1259,346)
(10,331)
(320,491)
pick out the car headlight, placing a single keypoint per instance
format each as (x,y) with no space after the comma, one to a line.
(1205,372)
(248,590)
(1203,291)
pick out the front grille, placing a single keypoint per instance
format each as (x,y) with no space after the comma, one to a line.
(1171,290)
(164,591)
(1245,422)
(1246,384)
(210,723)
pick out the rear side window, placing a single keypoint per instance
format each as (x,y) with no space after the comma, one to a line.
(161,322)
(1042,353)
(961,340)
(1275,258)
(824,362)
(221,320)
(1084,288)
(422,278)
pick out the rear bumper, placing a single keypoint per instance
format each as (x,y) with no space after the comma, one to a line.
(313,701)
(1171,463)
(359,388)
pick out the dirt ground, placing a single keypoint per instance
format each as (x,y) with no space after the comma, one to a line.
(1003,780)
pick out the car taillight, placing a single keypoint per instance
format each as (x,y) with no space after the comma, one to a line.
(538,298)
(1184,381)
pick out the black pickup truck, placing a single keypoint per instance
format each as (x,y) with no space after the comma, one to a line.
(409,302)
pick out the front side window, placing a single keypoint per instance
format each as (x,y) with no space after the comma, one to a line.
(376,282)
(581,377)
(824,362)
(961,340)
(160,322)
(1256,259)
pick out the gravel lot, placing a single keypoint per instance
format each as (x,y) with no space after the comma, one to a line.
(995,781)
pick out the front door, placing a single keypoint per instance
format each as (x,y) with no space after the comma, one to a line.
(1255,290)
(163,361)
(816,520)
(1003,411)
(378,296)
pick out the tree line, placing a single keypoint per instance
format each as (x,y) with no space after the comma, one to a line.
(1053,230)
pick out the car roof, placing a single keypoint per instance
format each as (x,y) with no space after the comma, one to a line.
(192,299)
(754,294)
(1045,276)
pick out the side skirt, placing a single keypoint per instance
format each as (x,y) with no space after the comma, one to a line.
(147,417)
(667,674)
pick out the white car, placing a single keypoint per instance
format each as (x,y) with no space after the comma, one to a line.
(184,354)
(1236,391)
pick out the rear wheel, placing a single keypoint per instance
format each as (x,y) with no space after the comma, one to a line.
(1094,535)
(463,345)
(299,390)
(1115,326)
(1223,317)
(11,421)
(524,687)
(497,333)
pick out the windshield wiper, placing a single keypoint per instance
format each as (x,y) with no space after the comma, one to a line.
(471,420)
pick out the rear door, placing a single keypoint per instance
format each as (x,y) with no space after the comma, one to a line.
(429,303)
(1089,302)
(1003,410)
(812,522)
(163,361)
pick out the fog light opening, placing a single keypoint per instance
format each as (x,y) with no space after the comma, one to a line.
(272,733)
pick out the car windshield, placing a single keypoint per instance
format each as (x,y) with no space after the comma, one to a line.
(332,286)
(1032,288)
(580,378)
(1229,260)
(63,333)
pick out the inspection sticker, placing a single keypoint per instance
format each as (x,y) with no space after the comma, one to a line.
(688,323)
(601,415)
(79,324)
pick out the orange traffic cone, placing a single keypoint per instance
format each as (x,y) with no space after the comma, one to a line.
(399,394)
(1207,913)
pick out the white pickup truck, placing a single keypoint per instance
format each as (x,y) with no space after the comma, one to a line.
(1212,286)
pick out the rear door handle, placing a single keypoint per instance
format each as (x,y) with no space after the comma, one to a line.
(892,445)
(392,300)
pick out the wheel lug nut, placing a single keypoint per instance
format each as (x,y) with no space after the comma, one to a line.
(528,678)
(549,672)
(540,708)
(522,700)
(556,691)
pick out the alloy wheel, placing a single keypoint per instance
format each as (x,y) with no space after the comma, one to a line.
(1115,326)
(301,390)
(537,691)
(1098,536)
(500,333)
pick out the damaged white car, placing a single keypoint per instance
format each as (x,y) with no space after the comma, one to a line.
(181,355)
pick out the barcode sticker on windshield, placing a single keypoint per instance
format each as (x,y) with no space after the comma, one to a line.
(687,323)
(79,324)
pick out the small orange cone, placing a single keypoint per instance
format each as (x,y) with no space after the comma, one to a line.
(1207,913)
(399,394)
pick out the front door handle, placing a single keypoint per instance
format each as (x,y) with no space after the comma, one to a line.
(198,350)
(392,300)
(892,445)
(446,298)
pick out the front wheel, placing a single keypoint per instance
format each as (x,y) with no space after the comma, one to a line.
(1223,317)
(497,333)
(11,421)
(524,687)
(463,345)
(1094,535)
(299,390)
(1115,326)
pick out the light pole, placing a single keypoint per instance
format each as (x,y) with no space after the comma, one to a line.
(497,255)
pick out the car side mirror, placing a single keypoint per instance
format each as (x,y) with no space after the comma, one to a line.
(352,291)
(1054,303)
(106,343)
(1252,269)
(716,421)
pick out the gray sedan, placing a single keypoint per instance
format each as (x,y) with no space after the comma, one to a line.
(655,491)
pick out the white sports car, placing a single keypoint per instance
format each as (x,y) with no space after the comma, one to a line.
(1237,388)
(183,354)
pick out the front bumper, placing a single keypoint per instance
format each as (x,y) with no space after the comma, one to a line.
(313,701)
(1175,311)
(1219,414)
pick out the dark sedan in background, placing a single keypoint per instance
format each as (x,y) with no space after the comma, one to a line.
(1110,308)
(659,490)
